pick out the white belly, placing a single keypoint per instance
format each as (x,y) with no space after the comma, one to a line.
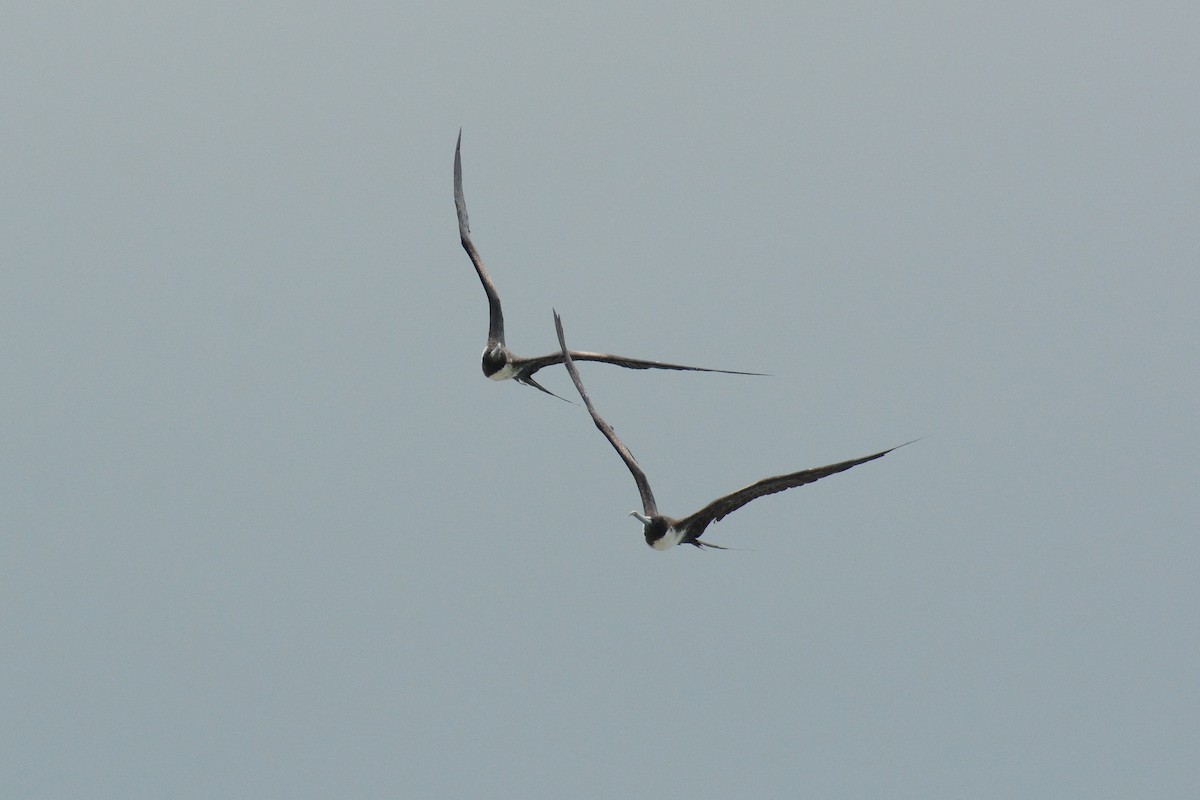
(669,539)
(504,373)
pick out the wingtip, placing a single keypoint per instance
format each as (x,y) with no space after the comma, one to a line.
(562,340)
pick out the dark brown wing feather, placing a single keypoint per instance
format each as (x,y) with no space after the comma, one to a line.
(695,524)
(648,505)
(495,315)
(531,364)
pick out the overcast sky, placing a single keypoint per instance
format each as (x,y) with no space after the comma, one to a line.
(266,530)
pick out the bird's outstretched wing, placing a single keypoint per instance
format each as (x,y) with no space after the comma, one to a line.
(648,505)
(531,364)
(495,315)
(695,524)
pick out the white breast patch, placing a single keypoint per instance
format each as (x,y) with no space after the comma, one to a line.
(669,539)
(504,373)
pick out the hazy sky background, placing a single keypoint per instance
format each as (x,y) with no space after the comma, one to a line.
(268,532)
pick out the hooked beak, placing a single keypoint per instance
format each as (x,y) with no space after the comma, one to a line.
(640,517)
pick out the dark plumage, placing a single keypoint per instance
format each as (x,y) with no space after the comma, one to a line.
(662,531)
(500,363)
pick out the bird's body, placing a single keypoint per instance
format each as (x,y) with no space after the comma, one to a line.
(499,363)
(498,370)
(663,532)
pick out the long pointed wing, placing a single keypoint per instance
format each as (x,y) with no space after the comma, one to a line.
(495,315)
(695,524)
(648,505)
(534,363)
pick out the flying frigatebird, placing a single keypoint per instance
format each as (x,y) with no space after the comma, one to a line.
(500,363)
(663,532)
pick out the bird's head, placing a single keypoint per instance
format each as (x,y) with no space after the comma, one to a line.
(654,528)
(494,359)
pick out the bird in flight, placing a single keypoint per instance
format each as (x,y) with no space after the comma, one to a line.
(663,532)
(500,363)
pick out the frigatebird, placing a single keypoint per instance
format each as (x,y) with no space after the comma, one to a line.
(500,363)
(663,532)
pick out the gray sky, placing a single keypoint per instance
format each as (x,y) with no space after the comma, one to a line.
(268,532)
